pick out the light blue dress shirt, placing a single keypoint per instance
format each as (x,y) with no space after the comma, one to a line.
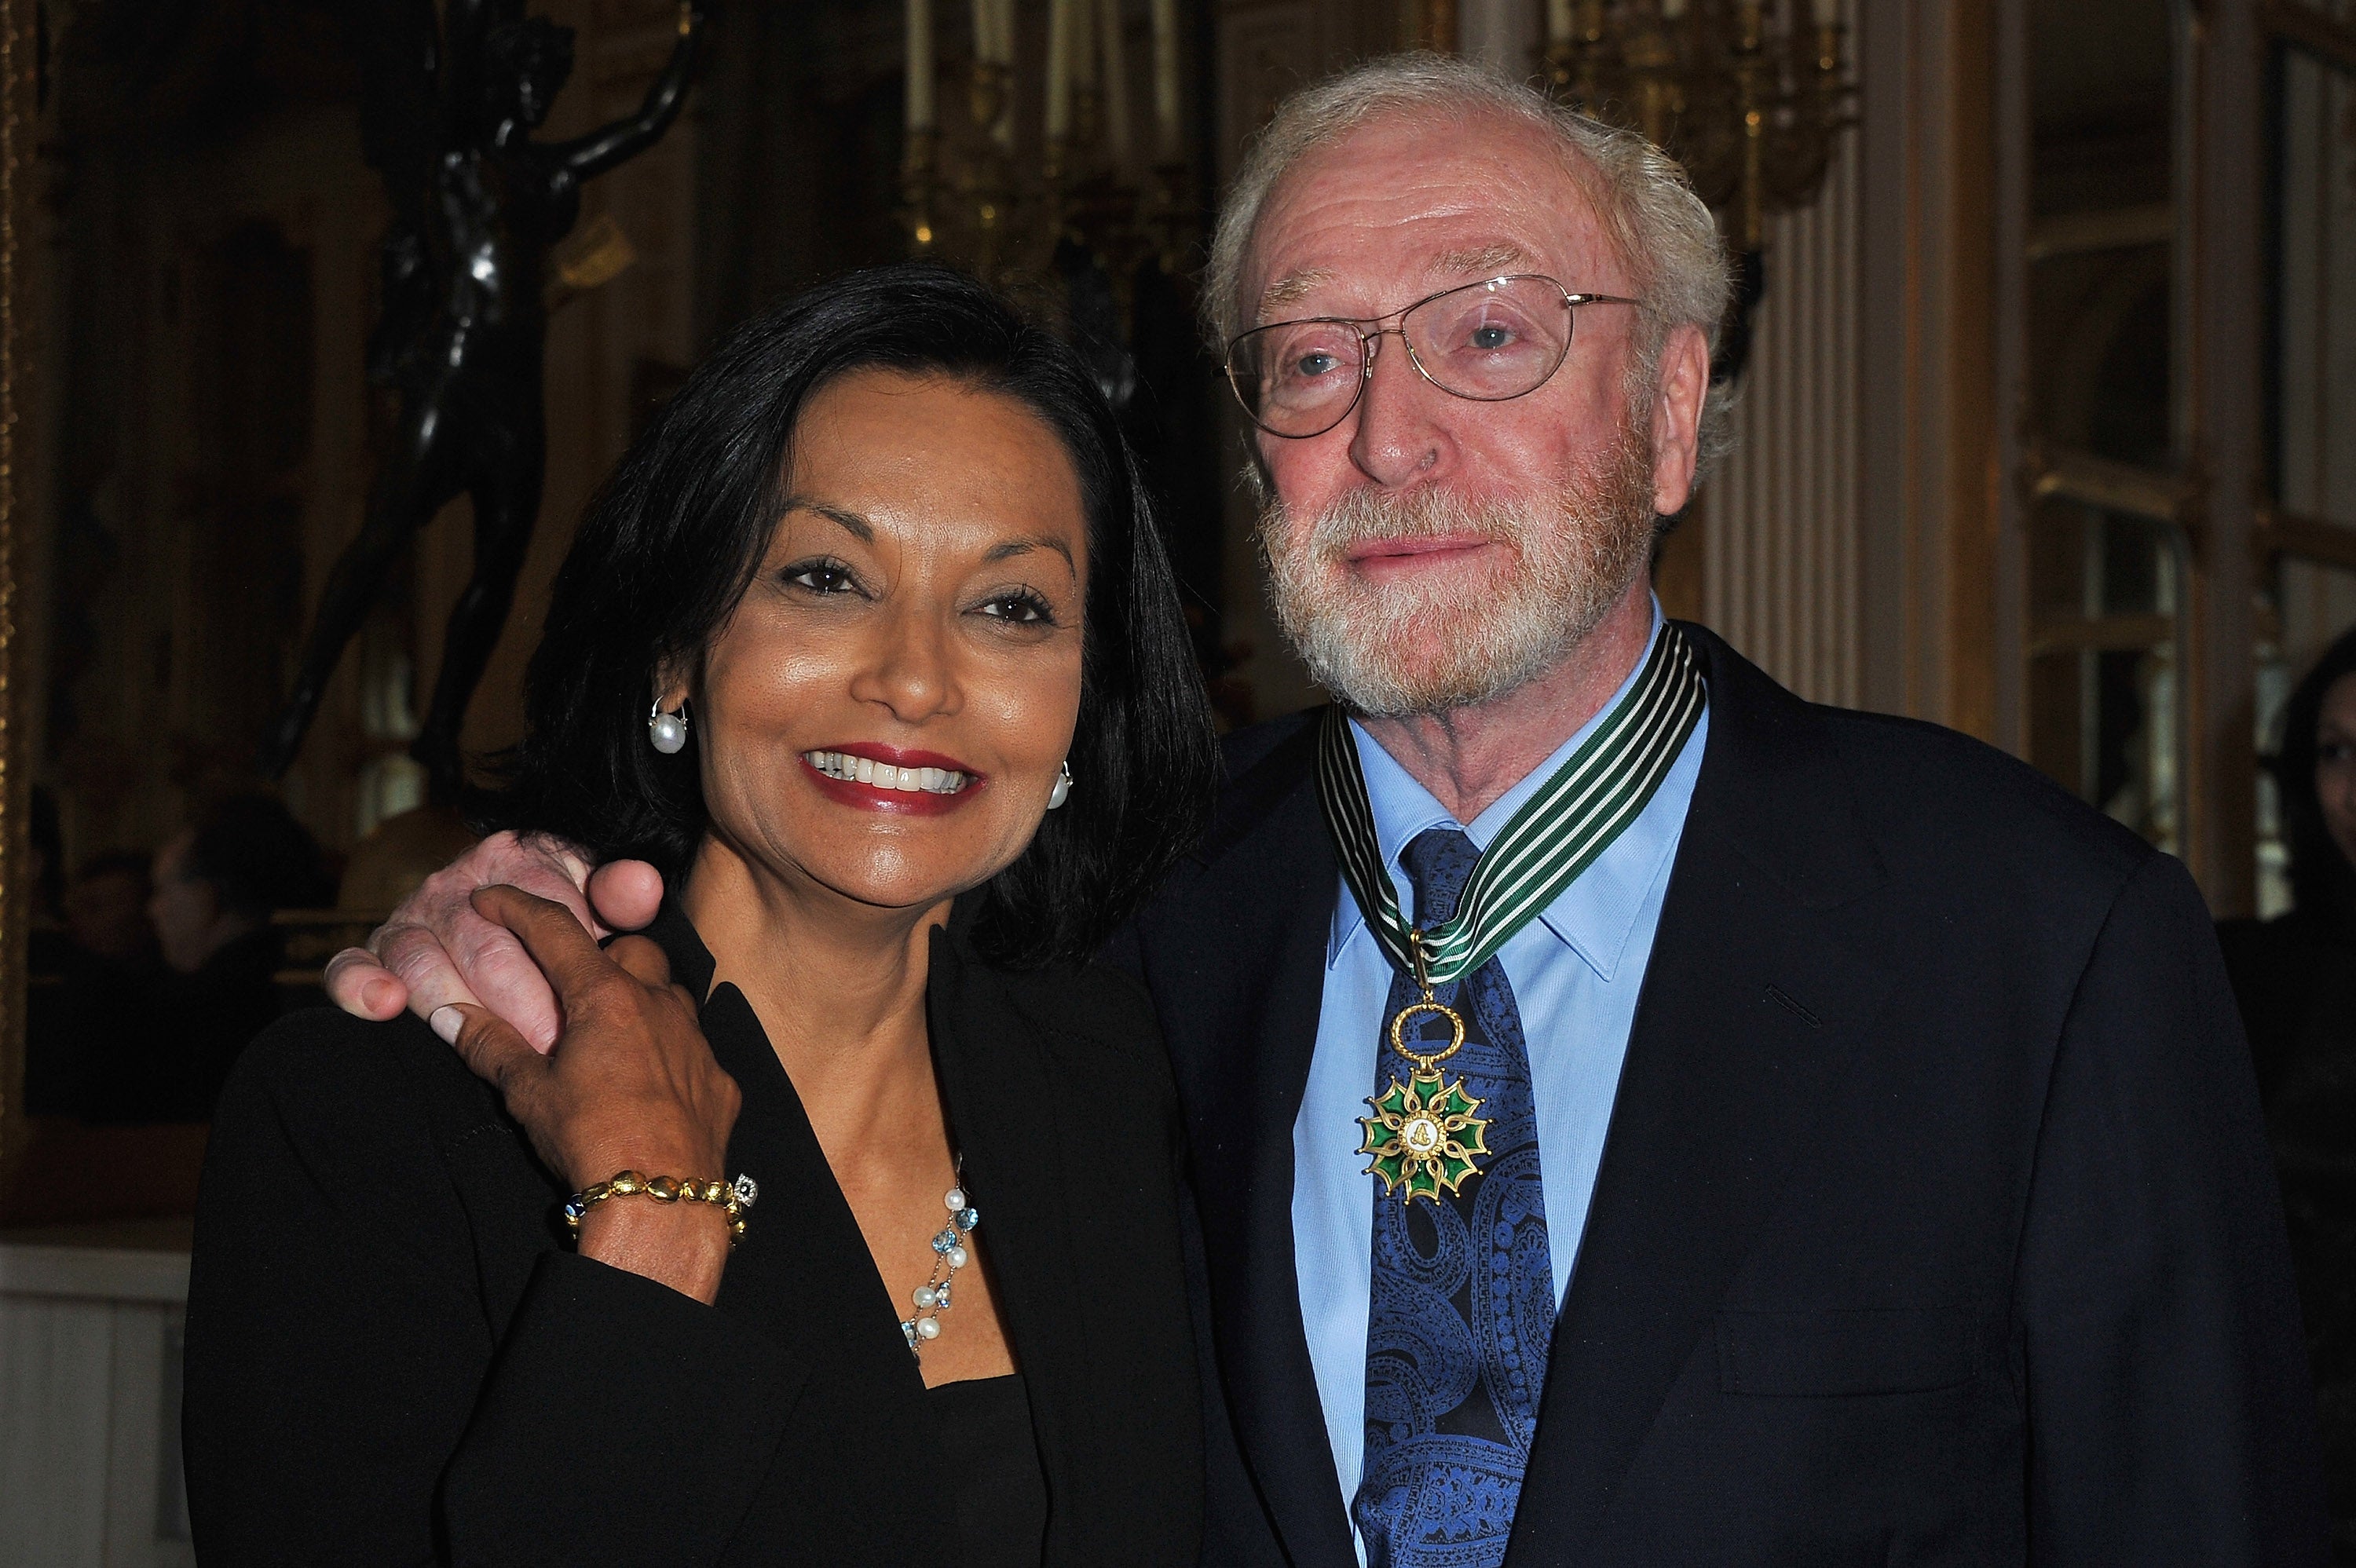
(1575,971)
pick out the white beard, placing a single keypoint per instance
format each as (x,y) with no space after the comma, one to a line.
(1419,647)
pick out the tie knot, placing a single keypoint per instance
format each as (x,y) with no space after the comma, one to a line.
(1438,862)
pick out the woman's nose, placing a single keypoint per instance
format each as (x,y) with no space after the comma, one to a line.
(912,671)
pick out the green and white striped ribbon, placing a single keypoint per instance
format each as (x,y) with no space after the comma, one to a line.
(1556,834)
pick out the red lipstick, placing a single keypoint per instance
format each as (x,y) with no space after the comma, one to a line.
(875,750)
(878,797)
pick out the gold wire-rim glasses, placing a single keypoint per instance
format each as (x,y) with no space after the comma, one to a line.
(1243,376)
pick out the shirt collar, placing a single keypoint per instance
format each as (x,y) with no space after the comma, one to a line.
(1592,917)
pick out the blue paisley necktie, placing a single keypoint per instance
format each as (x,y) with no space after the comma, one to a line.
(1461,1315)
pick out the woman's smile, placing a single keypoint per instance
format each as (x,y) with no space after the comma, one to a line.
(875,777)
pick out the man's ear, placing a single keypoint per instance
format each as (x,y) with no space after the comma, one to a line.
(1677,403)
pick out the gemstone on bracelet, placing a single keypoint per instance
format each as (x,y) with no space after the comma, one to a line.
(945,1240)
(967,1219)
(574,1208)
(940,1296)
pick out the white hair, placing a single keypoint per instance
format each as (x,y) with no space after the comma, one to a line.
(1662,231)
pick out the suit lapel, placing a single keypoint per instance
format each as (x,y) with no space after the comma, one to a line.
(1236,964)
(1751,1007)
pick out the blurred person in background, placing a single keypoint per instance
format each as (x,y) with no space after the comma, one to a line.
(45,869)
(49,956)
(216,886)
(89,977)
(2294,978)
(106,908)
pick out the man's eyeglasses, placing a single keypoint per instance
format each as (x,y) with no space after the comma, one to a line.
(1489,341)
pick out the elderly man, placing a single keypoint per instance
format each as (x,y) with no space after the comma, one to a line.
(1637,1117)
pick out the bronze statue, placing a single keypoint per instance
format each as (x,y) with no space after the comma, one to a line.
(448,117)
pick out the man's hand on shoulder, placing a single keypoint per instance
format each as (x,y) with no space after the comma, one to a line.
(436,951)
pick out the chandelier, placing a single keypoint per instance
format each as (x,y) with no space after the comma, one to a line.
(1106,187)
(1751,112)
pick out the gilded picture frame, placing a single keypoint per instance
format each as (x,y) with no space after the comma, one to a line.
(17,109)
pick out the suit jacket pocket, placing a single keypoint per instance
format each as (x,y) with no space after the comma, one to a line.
(1844,1351)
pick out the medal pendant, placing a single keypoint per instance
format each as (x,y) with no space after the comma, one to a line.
(1423,1135)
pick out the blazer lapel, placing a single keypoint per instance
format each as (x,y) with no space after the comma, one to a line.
(806,1275)
(1236,964)
(803,1274)
(1003,1106)
(1751,1007)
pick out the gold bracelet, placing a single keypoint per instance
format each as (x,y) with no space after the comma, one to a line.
(730,1198)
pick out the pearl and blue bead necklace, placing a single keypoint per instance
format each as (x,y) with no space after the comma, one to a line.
(949,1254)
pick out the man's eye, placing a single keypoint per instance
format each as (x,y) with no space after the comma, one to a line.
(1309,367)
(1492,337)
(1022,609)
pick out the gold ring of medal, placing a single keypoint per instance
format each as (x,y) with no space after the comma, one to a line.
(1423,1137)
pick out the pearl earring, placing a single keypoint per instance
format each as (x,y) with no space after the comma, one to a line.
(667,731)
(1062,790)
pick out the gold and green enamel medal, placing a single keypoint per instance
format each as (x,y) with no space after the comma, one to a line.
(1424,1138)
(1423,1135)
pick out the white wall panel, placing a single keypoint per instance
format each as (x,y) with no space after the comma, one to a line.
(89,1413)
(1781,580)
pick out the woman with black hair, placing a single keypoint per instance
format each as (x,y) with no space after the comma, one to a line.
(839,1224)
(2295,977)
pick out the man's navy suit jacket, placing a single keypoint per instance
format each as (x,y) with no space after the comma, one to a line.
(1935,1223)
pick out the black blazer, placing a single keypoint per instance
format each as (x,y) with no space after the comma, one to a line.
(1934,1222)
(392,1358)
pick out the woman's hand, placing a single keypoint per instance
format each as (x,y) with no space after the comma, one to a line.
(630,1085)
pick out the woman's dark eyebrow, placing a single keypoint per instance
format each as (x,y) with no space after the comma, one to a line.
(1024,547)
(858,528)
(861,528)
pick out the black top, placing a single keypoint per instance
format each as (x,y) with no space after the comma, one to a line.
(989,1474)
(393,1357)
(2295,977)
(1934,1222)
(2295,981)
